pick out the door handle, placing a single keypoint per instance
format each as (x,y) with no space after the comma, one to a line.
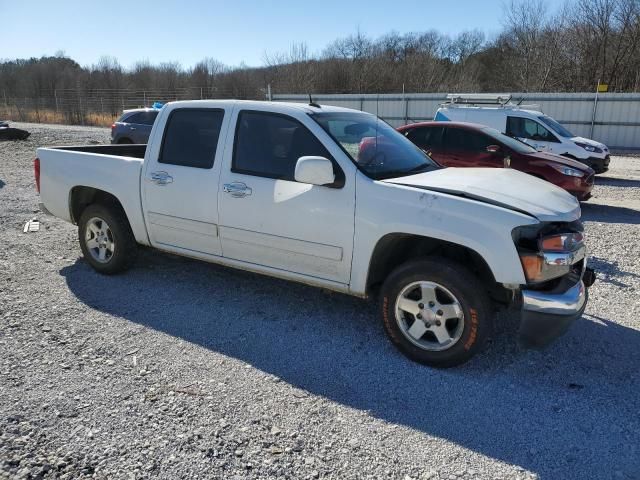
(161,178)
(237,189)
(132,128)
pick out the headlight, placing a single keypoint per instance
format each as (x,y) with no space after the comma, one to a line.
(589,148)
(565,242)
(572,172)
(554,256)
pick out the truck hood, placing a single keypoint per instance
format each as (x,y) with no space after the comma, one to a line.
(503,187)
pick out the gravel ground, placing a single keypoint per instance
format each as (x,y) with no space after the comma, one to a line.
(181,369)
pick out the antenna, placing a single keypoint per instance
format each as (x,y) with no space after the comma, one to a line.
(312,103)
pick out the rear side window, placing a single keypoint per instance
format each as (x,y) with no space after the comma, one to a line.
(141,118)
(426,138)
(191,137)
(269,145)
(461,139)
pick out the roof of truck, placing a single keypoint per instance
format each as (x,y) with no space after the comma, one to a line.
(248,103)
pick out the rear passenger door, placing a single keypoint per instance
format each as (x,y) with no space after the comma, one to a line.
(140,125)
(468,148)
(269,219)
(180,181)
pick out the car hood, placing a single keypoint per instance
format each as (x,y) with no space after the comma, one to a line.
(588,141)
(552,157)
(503,187)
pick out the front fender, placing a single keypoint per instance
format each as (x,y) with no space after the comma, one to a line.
(384,208)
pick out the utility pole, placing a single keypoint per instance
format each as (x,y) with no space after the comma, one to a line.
(269,92)
(55,96)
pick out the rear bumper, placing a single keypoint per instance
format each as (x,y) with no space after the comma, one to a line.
(548,315)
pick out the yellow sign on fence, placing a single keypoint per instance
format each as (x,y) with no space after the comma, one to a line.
(603,87)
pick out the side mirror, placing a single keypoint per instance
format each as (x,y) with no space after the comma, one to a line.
(314,170)
(494,149)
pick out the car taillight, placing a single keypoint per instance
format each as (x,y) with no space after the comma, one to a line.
(113,127)
(36,173)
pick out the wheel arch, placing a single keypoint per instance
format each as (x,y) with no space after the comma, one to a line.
(395,249)
(80,197)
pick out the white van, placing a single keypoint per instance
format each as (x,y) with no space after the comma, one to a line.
(525,123)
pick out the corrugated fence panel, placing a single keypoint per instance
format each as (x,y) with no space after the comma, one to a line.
(616,121)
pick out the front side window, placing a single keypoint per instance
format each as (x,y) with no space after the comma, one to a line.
(556,127)
(270,144)
(520,127)
(461,139)
(375,147)
(510,142)
(191,137)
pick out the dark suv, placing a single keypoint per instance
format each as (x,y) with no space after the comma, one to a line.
(134,126)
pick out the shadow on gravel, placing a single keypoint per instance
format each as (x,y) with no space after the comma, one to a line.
(592,212)
(617,182)
(2,184)
(609,272)
(570,411)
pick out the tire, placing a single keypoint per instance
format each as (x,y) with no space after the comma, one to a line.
(106,226)
(125,141)
(454,291)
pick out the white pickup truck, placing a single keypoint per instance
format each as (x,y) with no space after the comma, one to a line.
(338,199)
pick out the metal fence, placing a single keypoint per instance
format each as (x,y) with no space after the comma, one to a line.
(611,118)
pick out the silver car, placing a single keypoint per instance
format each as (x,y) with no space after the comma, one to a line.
(134,126)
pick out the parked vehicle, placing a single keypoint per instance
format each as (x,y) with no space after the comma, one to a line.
(334,198)
(459,144)
(12,133)
(134,126)
(525,123)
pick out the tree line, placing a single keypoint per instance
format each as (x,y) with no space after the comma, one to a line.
(569,49)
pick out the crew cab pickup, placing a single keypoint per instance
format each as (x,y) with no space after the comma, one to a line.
(338,199)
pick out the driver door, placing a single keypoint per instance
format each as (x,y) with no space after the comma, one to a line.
(269,219)
(532,133)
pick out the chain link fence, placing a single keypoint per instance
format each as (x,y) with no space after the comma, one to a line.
(100,107)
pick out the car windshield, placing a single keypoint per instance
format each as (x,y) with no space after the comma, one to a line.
(512,143)
(374,146)
(556,127)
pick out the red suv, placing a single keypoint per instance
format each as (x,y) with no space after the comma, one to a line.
(458,144)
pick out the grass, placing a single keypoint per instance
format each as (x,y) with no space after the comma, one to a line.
(51,116)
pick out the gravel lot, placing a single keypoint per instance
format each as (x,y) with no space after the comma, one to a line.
(181,369)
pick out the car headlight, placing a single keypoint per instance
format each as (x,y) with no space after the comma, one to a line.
(589,148)
(572,172)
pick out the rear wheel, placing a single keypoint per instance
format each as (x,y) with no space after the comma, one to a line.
(436,312)
(125,141)
(106,239)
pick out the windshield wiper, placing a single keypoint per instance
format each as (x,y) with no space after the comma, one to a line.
(403,173)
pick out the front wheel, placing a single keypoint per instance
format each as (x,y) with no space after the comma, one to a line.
(106,239)
(436,312)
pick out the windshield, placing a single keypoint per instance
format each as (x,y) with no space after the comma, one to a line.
(512,143)
(374,146)
(556,127)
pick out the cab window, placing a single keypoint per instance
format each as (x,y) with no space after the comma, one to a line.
(270,144)
(461,139)
(520,127)
(427,138)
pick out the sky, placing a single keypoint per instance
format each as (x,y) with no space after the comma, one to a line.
(233,32)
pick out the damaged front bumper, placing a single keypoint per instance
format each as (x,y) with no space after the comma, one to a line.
(546,315)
